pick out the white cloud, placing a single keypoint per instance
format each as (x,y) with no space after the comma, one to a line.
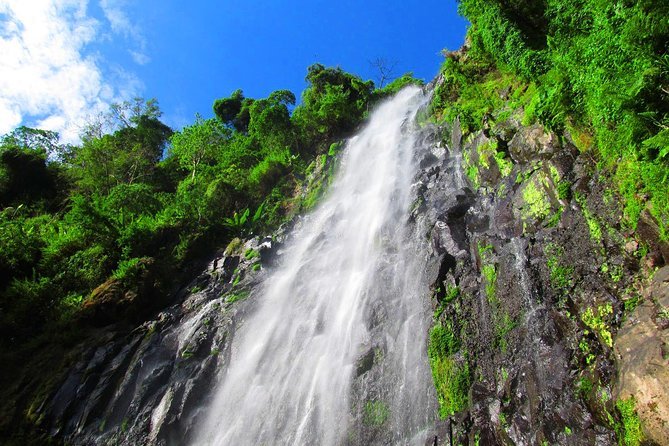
(47,77)
(114,11)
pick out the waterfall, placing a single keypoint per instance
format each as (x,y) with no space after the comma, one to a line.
(350,287)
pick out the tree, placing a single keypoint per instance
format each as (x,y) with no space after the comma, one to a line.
(126,114)
(130,113)
(333,104)
(198,143)
(127,156)
(385,70)
(26,175)
(270,121)
(234,111)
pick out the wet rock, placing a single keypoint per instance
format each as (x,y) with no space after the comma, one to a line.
(530,263)
(146,386)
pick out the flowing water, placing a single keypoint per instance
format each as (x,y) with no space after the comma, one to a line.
(350,284)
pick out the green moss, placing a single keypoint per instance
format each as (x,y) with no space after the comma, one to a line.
(663,313)
(443,341)
(486,151)
(561,276)
(314,194)
(555,175)
(502,420)
(585,386)
(471,170)
(335,147)
(472,173)
(630,433)
(631,300)
(452,292)
(564,190)
(234,297)
(452,381)
(504,164)
(489,273)
(595,320)
(536,205)
(251,254)
(593,224)
(375,413)
(504,324)
(451,376)
(233,246)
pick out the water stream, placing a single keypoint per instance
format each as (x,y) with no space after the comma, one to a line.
(351,284)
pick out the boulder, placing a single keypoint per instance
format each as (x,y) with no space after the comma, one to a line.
(532,143)
(642,354)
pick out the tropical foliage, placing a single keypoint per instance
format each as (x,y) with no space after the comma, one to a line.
(135,203)
(596,71)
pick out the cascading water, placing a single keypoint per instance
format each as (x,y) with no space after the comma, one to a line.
(351,284)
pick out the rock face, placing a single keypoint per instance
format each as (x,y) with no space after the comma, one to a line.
(147,387)
(532,274)
(642,352)
(530,242)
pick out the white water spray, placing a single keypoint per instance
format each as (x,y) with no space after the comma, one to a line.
(350,282)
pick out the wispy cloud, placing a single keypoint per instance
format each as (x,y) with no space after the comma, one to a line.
(48,76)
(114,11)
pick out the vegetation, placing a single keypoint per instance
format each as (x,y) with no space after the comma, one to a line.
(561,275)
(595,70)
(630,432)
(596,321)
(450,373)
(132,206)
(375,413)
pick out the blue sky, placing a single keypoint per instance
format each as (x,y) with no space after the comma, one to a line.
(90,53)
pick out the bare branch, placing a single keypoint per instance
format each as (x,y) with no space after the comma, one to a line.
(385,69)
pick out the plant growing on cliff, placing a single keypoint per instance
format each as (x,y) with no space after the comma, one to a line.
(599,69)
(629,433)
(450,371)
(488,271)
(375,413)
(561,276)
(596,321)
(536,205)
